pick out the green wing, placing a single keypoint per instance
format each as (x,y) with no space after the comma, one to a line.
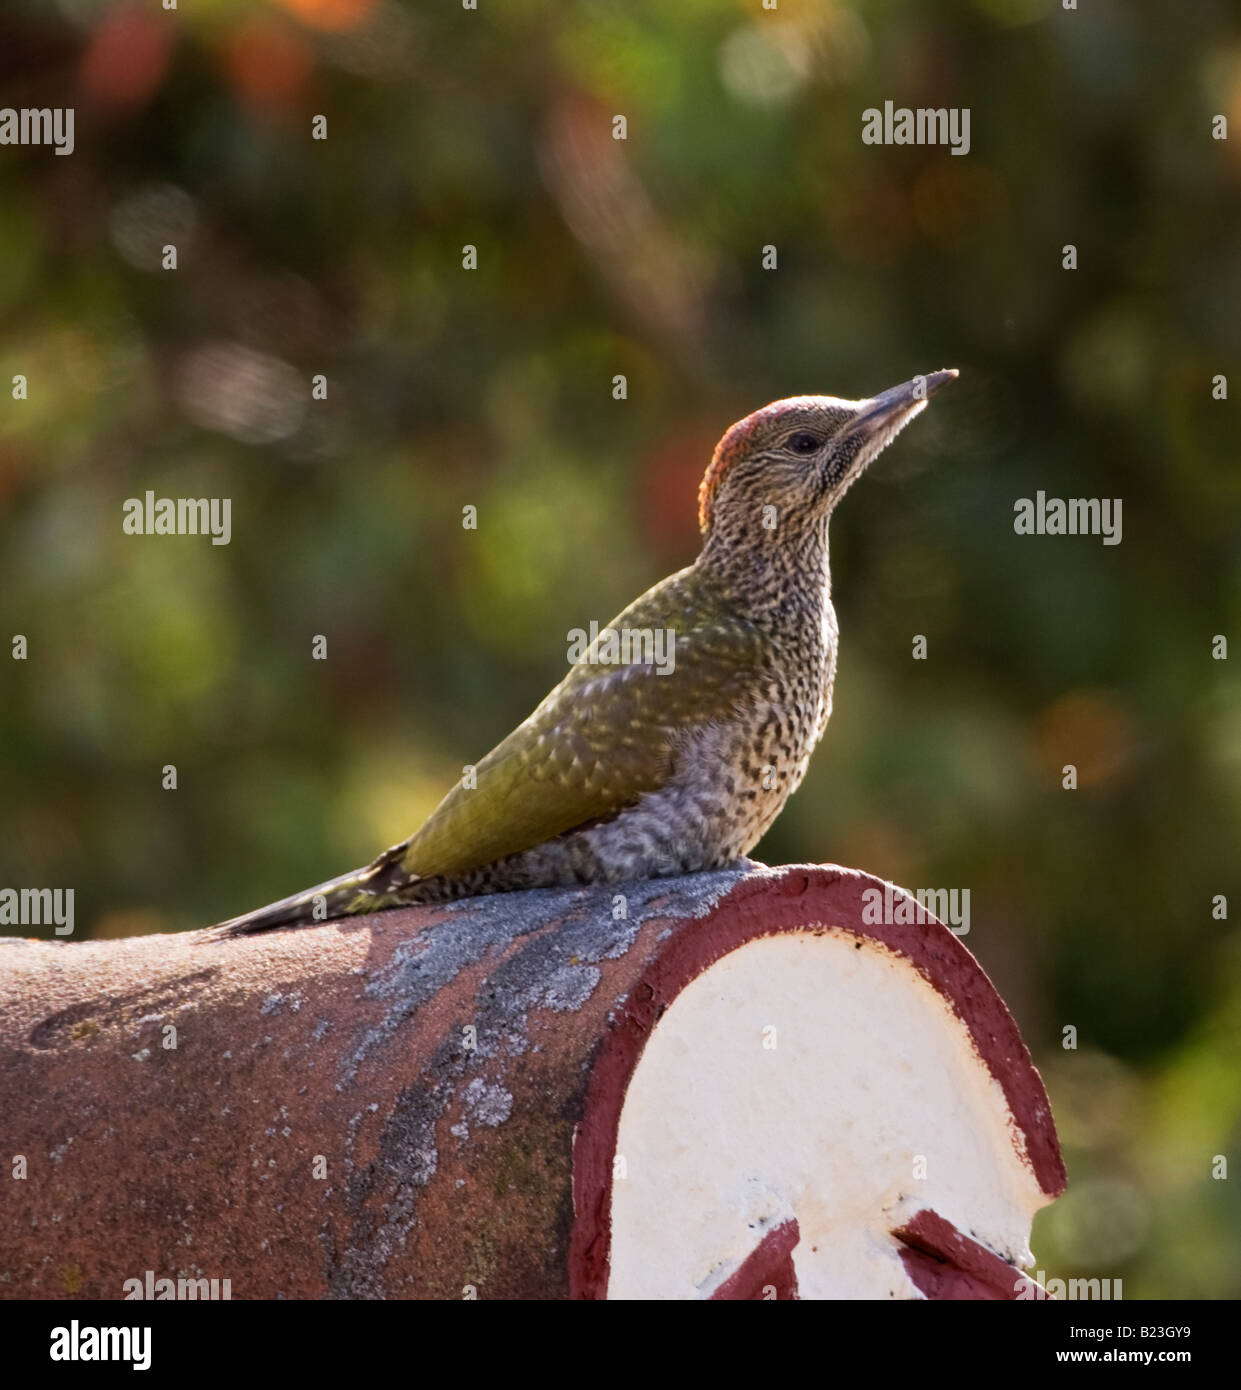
(601,739)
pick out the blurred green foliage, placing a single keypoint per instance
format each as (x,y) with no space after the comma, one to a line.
(493,388)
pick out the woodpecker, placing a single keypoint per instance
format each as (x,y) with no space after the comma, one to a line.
(631,768)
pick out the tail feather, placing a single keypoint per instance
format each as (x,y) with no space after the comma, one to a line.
(361,890)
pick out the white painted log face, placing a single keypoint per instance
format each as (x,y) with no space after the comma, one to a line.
(814,1076)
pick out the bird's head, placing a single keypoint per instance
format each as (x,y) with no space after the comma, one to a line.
(798,456)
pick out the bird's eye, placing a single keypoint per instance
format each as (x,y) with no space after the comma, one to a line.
(804,443)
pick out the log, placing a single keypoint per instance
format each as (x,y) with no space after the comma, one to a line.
(734,1084)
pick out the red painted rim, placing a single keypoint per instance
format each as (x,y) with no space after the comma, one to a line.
(769,906)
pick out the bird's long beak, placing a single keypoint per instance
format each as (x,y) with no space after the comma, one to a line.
(901,403)
(883,417)
(877,423)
